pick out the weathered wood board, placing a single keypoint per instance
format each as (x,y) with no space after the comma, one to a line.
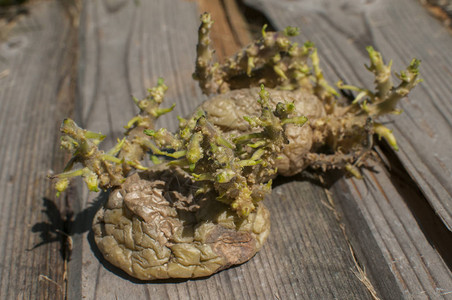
(341,30)
(394,225)
(36,89)
(400,30)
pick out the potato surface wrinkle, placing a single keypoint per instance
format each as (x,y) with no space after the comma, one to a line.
(149,237)
(227,111)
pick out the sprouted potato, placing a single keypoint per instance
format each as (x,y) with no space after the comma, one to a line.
(198,209)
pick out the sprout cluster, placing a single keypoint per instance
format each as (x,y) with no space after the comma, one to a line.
(278,63)
(238,168)
(349,128)
(272,60)
(109,169)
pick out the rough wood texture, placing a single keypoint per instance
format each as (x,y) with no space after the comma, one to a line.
(394,224)
(230,31)
(36,62)
(341,31)
(440,9)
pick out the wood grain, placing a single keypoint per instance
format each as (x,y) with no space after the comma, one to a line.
(395,224)
(384,199)
(37,91)
(440,9)
(230,32)
(342,29)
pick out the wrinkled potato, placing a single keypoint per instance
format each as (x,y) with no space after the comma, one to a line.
(199,210)
(227,111)
(152,227)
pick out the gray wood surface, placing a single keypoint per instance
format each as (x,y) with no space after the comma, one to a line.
(341,30)
(36,90)
(401,30)
(394,226)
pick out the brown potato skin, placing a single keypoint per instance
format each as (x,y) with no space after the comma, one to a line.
(152,227)
(227,111)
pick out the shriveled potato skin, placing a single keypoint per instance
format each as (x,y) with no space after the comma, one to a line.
(227,111)
(153,228)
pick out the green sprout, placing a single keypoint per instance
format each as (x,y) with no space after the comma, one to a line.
(103,170)
(238,169)
(239,166)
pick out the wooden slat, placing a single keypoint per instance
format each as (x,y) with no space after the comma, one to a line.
(36,92)
(125,47)
(230,31)
(392,229)
(440,9)
(379,215)
(342,29)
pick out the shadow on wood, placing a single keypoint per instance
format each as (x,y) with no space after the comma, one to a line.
(430,223)
(60,226)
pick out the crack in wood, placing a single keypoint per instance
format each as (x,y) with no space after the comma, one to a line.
(431,224)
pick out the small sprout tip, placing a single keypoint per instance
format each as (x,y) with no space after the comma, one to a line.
(291,31)
(61,185)
(384,132)
(264,34)
(353,171)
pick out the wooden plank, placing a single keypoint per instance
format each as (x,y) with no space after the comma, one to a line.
(125,47)
(440,9)
(409,230)
(380,217)
(342,29)
(230,32)
(36,88)
(414,259)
